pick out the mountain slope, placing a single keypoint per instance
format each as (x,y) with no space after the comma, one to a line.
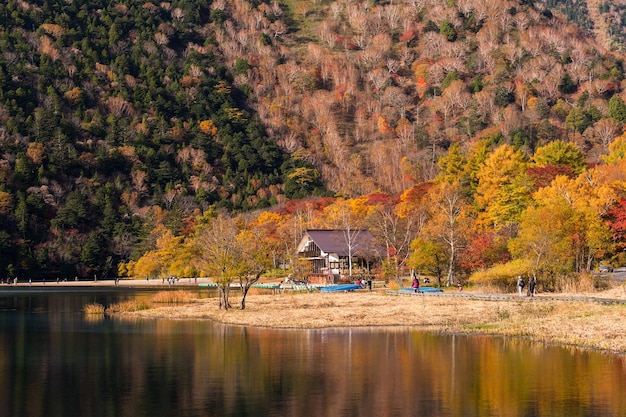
(114,116)
(372,93)
(117,116)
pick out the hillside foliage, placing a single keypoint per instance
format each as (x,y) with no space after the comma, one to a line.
(545,217)
(122,119)
(114,117)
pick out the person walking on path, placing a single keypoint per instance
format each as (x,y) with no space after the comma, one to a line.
(531,286)
(520,285)
(416,284)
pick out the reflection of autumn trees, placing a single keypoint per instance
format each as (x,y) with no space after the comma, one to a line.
(166,366)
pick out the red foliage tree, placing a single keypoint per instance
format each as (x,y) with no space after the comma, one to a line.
(617,222)
(543,176)
(483,251)
(378,198)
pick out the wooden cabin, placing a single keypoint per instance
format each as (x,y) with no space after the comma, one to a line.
(329,253)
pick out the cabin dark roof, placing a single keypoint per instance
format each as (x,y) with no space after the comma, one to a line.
(334,241)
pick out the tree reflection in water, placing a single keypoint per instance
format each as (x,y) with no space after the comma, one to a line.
(64,365)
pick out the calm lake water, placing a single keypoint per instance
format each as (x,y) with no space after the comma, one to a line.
(54,361)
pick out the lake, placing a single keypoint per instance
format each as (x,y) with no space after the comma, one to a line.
(55,361)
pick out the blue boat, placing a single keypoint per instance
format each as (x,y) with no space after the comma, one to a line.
(341,287)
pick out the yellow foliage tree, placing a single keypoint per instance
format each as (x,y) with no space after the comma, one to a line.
(543,241)
(448,223)
(6,202)
(453,166)
(126,269)
(566,230)
(254,250)
(348,212)
(74,95)
(270,227)
(172,256)
(149,266)
(617,150)
(503,190)
(208,127)
(36,152)
(218,254)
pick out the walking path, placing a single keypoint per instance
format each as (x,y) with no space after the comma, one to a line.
(126,283)
(496,297)
(615,296)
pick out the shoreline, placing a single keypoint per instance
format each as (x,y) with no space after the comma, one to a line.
(590,320)
(584,323)
(126,283)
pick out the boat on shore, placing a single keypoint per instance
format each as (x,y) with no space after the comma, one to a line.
(341,287)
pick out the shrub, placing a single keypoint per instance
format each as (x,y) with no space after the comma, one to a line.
(94,308)
(501,276)
(172,297)
(577,283)
(128,306)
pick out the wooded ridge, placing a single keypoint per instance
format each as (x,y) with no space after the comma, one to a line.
(122,118)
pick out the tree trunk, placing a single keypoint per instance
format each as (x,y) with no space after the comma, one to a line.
(245,286)
(244,292)
(450,278)
(222,293)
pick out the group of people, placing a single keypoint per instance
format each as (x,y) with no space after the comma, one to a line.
(521,284)
(170,280)
(363,282)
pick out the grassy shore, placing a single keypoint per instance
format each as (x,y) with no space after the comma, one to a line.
(566,321)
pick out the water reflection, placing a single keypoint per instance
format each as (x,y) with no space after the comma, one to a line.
(63,365)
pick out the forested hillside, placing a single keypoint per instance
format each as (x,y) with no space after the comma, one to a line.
(119,116)
(613,21)
(604,19)
(373,93)
(114,115)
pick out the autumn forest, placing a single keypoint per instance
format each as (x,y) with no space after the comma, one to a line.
(476,140)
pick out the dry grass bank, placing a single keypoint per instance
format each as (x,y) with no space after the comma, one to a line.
(580,323)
